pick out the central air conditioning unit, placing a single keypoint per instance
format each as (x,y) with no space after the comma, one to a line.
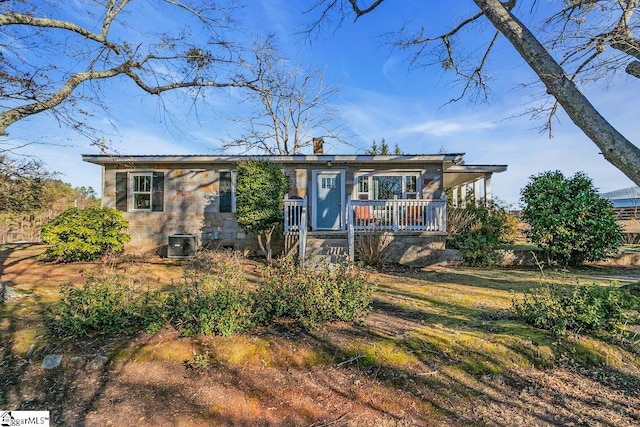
(182,246)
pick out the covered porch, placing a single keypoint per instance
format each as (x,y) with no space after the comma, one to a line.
(392,215)
(411,224)
(391,203)
(470,183)
(407,205)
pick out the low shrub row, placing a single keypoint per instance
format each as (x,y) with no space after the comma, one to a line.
(215,298)
(107,303)
(313,296)
(562,308)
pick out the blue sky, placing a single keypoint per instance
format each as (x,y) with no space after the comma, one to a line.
(380,97)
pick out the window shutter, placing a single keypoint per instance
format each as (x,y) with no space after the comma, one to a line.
(121,191)
(157,195)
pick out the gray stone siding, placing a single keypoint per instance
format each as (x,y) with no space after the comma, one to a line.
(416,250)
(192,204)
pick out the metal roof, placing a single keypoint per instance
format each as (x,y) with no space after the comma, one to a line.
(458,175)
(625,193)
(105,159)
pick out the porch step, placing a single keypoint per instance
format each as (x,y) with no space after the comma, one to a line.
(328,250)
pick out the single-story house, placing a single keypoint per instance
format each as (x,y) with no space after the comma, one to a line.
(194,195)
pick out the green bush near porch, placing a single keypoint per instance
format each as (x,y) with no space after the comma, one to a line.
(482,232)
(260,191)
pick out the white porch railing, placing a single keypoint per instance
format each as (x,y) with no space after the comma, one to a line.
(386,215)
(293,214)
(351,235)
(295,222)
(400,215)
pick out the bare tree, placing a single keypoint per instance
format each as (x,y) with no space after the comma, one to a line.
(289,105)
(594,38)
(55,56)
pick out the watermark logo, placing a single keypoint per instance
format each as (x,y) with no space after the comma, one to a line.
(24,418)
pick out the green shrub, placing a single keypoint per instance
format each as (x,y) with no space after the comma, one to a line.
(212,298)
(85,234)
(569,220)
(105,304)
(313,296)
(559,308)
(483,232)
(260,190)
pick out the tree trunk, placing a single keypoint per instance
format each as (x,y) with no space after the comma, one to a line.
(262,248)
(267,238)
(616,148)
(266,246)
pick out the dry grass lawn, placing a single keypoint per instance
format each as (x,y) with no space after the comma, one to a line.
(439,348)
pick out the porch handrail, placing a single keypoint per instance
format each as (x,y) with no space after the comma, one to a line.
(400,215)
(351,238)
(302,233)
(293,208)
(295,222)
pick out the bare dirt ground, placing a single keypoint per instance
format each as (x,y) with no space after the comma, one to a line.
(427,355)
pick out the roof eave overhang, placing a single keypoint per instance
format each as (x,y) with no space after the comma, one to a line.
(458,175)
(103,159)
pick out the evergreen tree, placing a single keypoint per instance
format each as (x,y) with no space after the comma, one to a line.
(383,149)
(260,190)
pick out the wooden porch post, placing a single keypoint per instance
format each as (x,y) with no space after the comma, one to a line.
(476,191)
(463,195)
(454,192)
(487,189)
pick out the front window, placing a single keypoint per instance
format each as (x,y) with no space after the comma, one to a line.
(141,191)
(387,186)
(411,187)
(227,191)
(363,188)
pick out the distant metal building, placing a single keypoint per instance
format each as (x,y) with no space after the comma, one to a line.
(625,198)
(626,202)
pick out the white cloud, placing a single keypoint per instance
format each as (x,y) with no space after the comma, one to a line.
(443,127)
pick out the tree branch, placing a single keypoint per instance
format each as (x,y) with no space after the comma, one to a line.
(22,19)
(614,146)
(633,69)
(157,90)
(359,12)
(12,115)
(113,9)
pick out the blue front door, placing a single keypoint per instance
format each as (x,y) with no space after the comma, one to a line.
(328,200)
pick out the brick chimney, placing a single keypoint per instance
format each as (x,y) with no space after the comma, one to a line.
(318,146)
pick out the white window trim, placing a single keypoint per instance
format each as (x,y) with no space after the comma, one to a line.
(402,174)
(234,176)
(132,194)
(356,188)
